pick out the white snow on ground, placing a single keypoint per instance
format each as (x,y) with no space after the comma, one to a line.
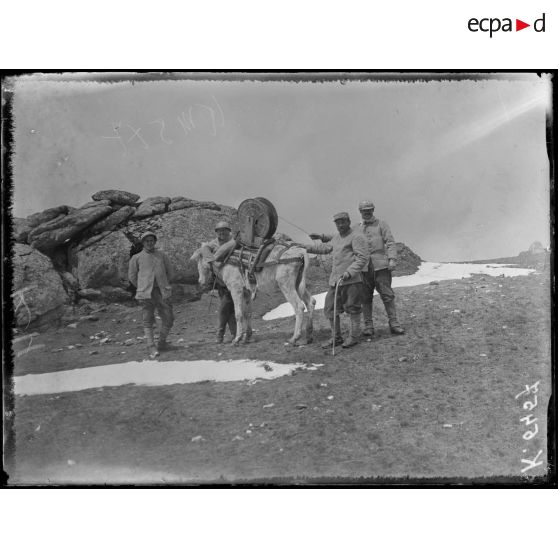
(152,373)
(428,271)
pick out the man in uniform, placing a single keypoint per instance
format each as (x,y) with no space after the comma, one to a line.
(150,272)
(383,260)
(226,308)
(350,257)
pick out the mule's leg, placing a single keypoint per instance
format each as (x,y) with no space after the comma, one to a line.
(310,302)
(286,284)
(239,310)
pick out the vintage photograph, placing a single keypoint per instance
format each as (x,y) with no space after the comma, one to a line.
(277,278)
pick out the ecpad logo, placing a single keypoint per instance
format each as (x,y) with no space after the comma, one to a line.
(494,24)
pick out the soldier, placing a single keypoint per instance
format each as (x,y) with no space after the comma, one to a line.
(383,260)
(150,272)
(350,257)
(226,309)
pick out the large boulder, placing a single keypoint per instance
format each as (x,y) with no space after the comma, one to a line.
(91,240)
(95,204)
(119,197)
(180,202)
(66,228)
(37,219)
(103,263)
(70,284)
(38,293)
(46,226)
(21,229)
(180,233)
(110,222)
(152,206)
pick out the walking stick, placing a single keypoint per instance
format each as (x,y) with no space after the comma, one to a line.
(335,317)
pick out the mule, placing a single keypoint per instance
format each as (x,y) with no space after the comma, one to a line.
(288,272)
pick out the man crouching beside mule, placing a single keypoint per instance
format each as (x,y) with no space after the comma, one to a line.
(150,272)
(350,257)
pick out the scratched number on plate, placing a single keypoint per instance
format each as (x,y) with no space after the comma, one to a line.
(530,421)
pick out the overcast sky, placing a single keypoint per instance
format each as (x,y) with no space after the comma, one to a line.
(458,169)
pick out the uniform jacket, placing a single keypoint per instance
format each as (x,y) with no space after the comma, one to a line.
(350,253)
(381,245)
(147,269)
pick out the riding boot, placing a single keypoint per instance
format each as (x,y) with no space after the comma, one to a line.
(368,322)
(148,334)
(394,325)
(354,335)
(162,343)
(335,334)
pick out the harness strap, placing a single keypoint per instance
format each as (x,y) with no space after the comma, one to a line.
(286,260)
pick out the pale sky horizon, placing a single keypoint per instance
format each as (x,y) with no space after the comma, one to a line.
(458,168)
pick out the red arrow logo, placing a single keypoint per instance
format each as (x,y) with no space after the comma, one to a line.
(519,25)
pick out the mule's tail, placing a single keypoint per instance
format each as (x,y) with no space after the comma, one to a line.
(300,282)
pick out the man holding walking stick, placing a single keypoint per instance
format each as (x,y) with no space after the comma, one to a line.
(350,258)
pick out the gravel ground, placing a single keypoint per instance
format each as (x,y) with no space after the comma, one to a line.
(437,403)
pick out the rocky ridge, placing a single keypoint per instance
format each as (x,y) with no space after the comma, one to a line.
(66,256)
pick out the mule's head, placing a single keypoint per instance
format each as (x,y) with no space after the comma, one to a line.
(203,258)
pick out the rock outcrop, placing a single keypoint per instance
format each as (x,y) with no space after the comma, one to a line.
(119,197)
(536,257)
(407,261)
(536,248)
(38,292)
(95,204)
(181,202)
(110,222)
(21,230)
(103,263)
(63,229)
(86,251)
(152,206)
(37,219)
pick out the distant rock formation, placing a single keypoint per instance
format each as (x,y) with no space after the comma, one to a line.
(536,248)
(536,256)
(407,261)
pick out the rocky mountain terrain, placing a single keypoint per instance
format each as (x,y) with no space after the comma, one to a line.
(66,256)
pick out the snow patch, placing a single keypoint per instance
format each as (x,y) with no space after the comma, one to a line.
(427,272)
(152,373)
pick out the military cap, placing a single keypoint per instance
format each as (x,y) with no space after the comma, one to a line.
(222,225)
(365,204)
(341,215)
(146,234)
